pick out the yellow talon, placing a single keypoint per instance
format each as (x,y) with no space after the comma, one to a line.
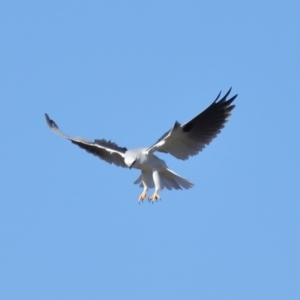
(154,197)
(142,196)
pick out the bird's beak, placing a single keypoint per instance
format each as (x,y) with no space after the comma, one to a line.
(132,165)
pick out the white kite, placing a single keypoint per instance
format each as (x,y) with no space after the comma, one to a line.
(182,141)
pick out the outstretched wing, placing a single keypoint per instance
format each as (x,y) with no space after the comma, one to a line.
(105,150)
(190,138)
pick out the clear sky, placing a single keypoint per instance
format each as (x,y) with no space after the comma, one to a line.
(70,224)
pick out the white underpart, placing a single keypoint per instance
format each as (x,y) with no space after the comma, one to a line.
(146,180)
(155,173)
(156,180)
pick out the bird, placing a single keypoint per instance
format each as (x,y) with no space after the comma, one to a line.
(181,141)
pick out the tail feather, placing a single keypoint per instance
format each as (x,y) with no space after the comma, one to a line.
(139,181)
(166,184)
(168,179)
(176,181)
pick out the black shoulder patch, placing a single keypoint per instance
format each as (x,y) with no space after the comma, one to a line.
(188,127)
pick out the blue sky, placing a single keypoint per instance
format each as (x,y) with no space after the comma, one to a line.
(70,224)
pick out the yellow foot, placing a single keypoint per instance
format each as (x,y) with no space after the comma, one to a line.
(142,196)
(154,197)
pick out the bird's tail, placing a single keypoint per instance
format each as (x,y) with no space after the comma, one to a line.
(168,179)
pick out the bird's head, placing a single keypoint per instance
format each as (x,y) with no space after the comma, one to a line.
(130,159)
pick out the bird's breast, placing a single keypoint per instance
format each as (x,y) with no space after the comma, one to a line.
(148,162)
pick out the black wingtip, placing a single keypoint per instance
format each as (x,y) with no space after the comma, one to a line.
(50,122)
(224,98)
(218,96)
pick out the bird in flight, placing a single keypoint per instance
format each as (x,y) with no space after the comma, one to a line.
(182,141)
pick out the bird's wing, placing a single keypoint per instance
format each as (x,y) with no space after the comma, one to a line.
(190,138)
(105,150)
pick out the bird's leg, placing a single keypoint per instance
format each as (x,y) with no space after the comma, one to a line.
(154,197)
(143,195)
(145,182)
(156,181)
